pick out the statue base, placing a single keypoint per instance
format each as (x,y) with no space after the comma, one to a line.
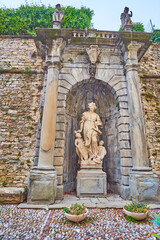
(42,186)
(91,182)
(56,25)
(127,27)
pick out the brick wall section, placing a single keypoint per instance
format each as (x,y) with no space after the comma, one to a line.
(150,85)
(21,82)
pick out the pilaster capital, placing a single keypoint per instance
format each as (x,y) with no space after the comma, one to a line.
(133,48)
(55,51)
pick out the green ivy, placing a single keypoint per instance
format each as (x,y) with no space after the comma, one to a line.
(156,36)
(26,18)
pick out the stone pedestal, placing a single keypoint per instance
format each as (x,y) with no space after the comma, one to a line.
(128,27)
(143,185)
(91,182)
(42,186)
(56,25)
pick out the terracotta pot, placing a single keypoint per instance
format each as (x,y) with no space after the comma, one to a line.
(76,218)
(136,216)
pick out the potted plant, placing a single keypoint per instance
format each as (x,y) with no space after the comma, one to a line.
(137,210)
(157,221)
(76,212)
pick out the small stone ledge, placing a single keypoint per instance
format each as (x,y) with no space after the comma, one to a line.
(21,71)
(12,195)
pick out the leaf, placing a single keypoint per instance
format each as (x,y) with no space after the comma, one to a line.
(155,221)
(156,217)
(155,235)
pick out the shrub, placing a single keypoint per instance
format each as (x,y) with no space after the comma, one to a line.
(26,18)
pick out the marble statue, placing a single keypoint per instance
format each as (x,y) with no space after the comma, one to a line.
(90,151)
(126,17)
(58,15)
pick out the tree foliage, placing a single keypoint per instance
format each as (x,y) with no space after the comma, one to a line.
(138,27)
(156,36)
(26,18)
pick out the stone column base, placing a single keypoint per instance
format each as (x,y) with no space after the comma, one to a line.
(42,187)
(91,182)
(143,185)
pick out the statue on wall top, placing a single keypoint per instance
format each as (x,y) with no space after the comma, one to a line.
(58,15)
(126,17)
(89,150)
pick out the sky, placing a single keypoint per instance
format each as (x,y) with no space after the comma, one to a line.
(106,12)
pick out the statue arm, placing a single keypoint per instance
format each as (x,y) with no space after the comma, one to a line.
(76,143)
(131,14)
(99,122)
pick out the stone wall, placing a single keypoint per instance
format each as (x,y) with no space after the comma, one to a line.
(21,78)
(150,86)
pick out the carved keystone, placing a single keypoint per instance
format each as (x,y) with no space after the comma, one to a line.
(93,52)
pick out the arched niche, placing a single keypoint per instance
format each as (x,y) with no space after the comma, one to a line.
(79,96)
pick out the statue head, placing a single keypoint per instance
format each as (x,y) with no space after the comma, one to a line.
(126,10)
(77,134)
(92,106)
(101,143)
(58,6)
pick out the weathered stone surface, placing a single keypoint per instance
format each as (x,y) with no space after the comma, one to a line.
(12,195)
(20,94)
(91,182)
(59,170)
(125,170)
(59,180)
(42,187)
(58,161)
(126,162)
(59,194)
(125,153)
(143,185)
(59,152)
(125,192)
(125,180)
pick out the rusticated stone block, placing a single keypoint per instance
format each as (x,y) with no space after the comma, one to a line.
(58,161)
(125,192)
(126,162)
(59,195)
(143,185)
(125,170)
(59,170)
(12,195)
(125,180)
(59,152)
(59,180)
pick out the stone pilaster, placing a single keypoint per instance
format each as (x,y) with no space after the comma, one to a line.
(43,178)
(141,188)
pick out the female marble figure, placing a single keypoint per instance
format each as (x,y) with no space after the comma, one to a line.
(89,125)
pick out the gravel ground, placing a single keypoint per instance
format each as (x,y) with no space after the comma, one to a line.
(51,224)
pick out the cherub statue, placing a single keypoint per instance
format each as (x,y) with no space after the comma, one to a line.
(125,17)
(58,15)
(101,153)
(81,149)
